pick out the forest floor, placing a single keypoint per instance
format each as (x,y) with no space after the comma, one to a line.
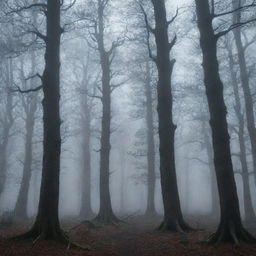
(135,238)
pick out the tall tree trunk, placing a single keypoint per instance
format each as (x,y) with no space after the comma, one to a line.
(20,210)
(150,210)
(245,85)
(173,219)
(7,124)
(47,224)
(86,210)
(105,215)
(230,228)
(248,205)
(123,181)
(30,107)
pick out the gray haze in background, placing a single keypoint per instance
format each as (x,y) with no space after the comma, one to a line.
(195,198)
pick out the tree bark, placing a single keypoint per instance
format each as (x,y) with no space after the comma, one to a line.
(86,210)
(30,107)
(248,205)
(230,228)
(47,224)
(105,215)
(173,219)
(7,122)
(249,110)
(150,210)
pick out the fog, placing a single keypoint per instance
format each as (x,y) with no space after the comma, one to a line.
(81,83)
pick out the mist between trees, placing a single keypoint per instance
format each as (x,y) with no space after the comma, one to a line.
(117,108)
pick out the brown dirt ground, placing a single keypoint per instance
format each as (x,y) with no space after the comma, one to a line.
(136,238)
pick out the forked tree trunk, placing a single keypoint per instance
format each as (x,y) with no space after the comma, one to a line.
(150,210)
(173,219)
(230,228)
(105,215)
(248,205)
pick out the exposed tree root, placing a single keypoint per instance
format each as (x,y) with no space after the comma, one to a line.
(174,226)
(230,232)
(58,235)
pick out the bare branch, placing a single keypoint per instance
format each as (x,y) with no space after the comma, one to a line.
(18,89)
(173,42)
(34,76)
(149,28)
(93,95)
(173,18)
(69,6)
(199,160)
(253,4)
(234,26)
(23,8)
(115,86)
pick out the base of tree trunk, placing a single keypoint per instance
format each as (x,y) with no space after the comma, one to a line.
(231,232)
(174,226)
(106,219)
(41,232)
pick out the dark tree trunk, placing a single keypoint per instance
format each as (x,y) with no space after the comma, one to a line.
(30,107)
(105,215)
(249,111)
(248,205)
(173,219)
(150,210)
(47,224)
(230,228)
(86,210)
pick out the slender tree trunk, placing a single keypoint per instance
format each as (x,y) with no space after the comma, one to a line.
(230,228)
(123,181)
(173,219)
(7,123)
(3,162)
(86,210)
(187,184)
(249,111)
(20,211)
(105,215)
(150,210)
(248,205)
